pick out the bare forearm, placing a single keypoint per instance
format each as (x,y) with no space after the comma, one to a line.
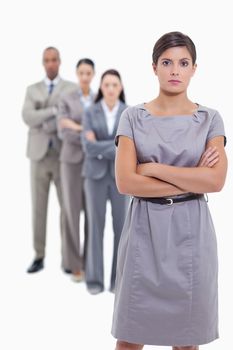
(130,182)
(143,186)
(196,179)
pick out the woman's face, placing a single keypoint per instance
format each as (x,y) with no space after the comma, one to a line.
(111,87)
(174,70)
(85,74)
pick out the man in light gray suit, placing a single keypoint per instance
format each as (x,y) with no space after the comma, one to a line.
(39,113)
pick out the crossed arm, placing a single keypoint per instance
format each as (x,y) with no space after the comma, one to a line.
(35,116)
(68,129)
(64,120)
(158,180)
(94,148)
(67,123)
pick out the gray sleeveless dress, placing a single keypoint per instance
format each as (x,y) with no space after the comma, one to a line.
(166,287)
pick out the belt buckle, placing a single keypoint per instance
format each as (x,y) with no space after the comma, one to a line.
(170,201)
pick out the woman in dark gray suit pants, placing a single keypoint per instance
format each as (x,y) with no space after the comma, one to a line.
(100,125)
(71,111)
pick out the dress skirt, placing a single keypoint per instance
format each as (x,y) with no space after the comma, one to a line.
(167,275)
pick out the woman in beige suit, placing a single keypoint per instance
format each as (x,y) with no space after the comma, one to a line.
(71,109)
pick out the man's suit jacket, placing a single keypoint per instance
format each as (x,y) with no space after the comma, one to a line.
(39,113)
(70,106)
(99,155)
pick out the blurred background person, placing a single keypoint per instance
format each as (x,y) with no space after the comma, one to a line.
(71,109)
(39,113)
(100,125)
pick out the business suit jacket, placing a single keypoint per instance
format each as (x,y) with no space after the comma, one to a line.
(39,113)
(100,186)
(100,155)
(71,161)
(71,107)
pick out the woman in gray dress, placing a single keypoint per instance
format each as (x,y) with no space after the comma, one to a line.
(71,110)
(170,152)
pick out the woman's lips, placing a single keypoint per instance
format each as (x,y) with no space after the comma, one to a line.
(174,81)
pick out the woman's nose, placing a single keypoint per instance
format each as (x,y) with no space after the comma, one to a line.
(174,73)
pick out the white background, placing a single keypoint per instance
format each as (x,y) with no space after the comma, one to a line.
(47,310)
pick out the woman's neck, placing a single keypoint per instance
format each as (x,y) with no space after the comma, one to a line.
(85,90)
(110,103)
(173,104)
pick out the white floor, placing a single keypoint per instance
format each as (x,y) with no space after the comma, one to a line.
(47,310)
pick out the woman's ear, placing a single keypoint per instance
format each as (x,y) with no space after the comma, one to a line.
(154,68)
(194,69)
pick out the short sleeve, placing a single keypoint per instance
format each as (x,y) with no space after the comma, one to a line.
(216,128)
(125,126)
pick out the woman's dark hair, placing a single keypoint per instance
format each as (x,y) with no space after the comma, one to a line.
(173,39)
(99,95)
(86,61)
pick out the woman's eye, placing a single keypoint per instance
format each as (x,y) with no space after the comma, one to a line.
(184,63)
(166,62)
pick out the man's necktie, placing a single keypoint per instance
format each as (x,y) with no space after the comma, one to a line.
(51,86)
